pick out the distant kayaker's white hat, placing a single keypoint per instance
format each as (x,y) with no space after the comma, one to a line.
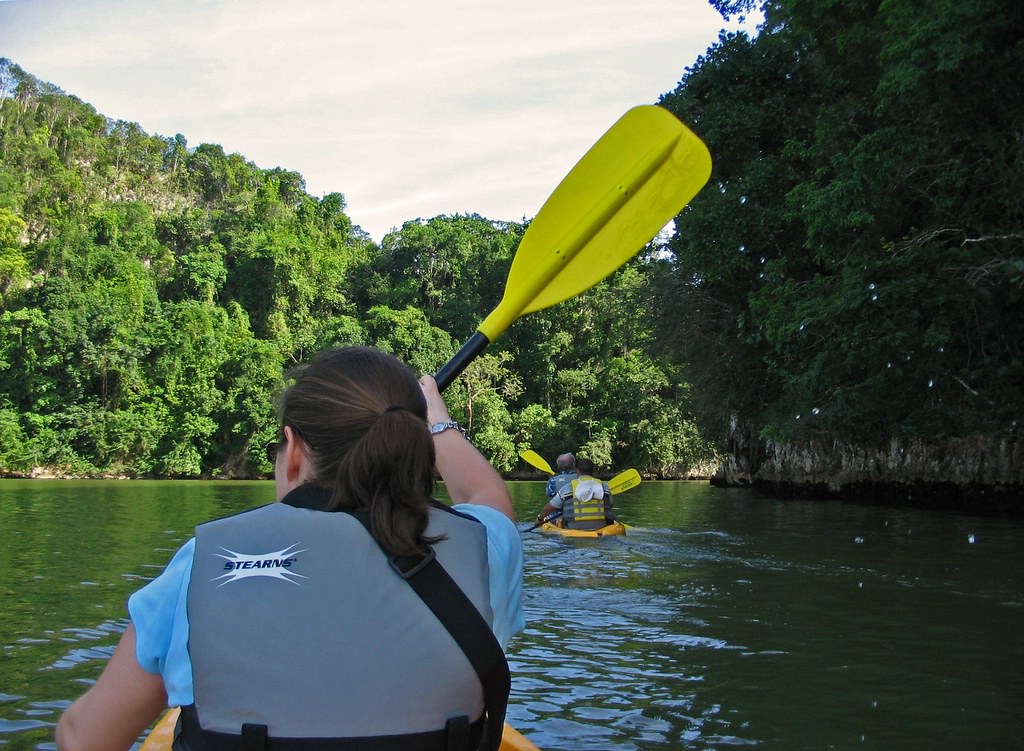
(588,490)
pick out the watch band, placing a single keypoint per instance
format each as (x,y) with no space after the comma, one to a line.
(440,427)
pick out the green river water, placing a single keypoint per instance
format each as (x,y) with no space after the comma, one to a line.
(721,620)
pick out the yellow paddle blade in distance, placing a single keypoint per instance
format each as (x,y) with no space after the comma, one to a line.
(532,457)
(624,481)
(638,176)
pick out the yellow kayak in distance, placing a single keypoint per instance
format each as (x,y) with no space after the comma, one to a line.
(161,737)
(615,528)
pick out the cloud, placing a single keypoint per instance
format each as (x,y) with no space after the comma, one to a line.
(409,109)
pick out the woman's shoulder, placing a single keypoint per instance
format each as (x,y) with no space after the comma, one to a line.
(496,523)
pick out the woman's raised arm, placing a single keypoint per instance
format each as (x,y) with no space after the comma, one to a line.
(467,474)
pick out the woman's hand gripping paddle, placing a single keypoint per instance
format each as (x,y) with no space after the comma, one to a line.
(638,175)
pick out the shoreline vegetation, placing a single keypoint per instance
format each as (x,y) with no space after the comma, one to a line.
(907,488)
(54,473)
(836,315)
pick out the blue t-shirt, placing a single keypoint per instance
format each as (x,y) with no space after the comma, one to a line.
(555,482)
(159,614)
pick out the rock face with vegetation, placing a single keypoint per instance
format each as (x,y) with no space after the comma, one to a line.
(976,473)
(848,288)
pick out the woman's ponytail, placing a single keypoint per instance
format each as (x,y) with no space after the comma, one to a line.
(362,414)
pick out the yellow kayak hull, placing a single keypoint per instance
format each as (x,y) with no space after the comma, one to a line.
(615,528)
(161,737)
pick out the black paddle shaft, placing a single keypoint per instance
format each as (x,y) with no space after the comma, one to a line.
(466,354)
(549,518)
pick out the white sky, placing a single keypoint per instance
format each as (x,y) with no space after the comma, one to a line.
(410,109)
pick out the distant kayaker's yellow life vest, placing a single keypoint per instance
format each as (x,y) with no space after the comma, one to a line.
(588,503)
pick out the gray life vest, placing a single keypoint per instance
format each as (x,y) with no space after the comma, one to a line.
(298,622)
(586,503)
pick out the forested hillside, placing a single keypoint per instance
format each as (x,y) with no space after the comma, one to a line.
(841,307)
(153,293)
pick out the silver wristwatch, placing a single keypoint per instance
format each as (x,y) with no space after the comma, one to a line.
(440,427)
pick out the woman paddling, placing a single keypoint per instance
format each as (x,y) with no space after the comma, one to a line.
(324,620)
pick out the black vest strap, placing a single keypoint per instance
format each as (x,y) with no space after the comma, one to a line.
(254,737)
(458,735)
(471,632)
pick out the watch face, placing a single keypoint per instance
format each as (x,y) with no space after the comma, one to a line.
(440,427)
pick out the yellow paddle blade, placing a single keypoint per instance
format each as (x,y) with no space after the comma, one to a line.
(532,457)
(637,177)
(161,737)
(624,481)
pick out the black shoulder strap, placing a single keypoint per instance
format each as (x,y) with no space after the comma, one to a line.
(463,621)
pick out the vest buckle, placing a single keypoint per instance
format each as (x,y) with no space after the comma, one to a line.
(408,566)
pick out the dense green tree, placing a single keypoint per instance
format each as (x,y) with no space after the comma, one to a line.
(487,388)
(409,336)
(453,268)
(13,264)
(151,293)
(853,268)
(737,230)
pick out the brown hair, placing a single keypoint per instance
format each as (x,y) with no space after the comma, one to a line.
(362,416)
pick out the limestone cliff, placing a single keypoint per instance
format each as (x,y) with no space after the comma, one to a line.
(976,473)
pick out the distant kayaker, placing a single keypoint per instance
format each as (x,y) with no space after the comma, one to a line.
(566,466)
(290,621)
(583,503)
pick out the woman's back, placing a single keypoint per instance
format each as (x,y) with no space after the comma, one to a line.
(286,647)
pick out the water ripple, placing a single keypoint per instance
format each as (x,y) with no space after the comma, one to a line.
(18,726)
